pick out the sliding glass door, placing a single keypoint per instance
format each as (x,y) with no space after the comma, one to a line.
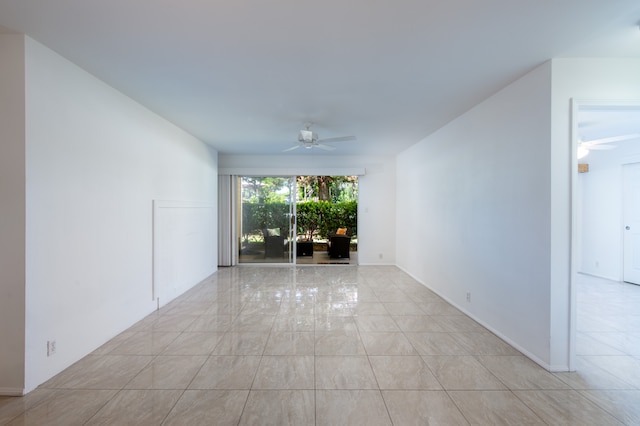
(267,219)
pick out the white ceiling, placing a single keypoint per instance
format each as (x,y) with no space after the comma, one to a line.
(598,121)
(244,75)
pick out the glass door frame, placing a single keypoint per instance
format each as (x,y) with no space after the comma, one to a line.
(291,223)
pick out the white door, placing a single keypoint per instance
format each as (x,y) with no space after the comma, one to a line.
(631,232)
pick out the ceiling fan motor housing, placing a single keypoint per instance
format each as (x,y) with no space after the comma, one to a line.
(307,136)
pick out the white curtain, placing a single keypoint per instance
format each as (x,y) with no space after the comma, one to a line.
(227,220)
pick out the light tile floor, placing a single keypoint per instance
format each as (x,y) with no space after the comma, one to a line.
(340,346)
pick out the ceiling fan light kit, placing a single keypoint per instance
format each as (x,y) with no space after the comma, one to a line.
(582,152)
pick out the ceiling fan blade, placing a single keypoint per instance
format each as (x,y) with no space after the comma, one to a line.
(338,139)
(292,148)
(594,142)
(603,147)
(325,147)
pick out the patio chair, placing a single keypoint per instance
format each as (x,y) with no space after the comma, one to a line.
(338,246)
(274,243)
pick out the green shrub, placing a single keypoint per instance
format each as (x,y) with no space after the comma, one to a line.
(258,216)
(322,218)
(314,218)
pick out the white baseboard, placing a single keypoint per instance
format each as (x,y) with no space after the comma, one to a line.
(532,357)
(11,392)
(603,277)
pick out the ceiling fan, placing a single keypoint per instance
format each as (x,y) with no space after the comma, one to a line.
(308,139)
(602,144)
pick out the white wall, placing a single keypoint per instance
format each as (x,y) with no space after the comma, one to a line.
(377,198)
(12,210)
(473,212)
(510,249)
(601,201)
(95,161)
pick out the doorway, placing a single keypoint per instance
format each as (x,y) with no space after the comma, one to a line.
(267,219)
(295,219)
(607,144)
(327,219)
(631,221)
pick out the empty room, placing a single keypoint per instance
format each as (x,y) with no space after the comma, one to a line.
(319,213)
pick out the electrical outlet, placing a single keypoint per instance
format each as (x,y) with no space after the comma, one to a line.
(379,255)
(51,347)
(468,296)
